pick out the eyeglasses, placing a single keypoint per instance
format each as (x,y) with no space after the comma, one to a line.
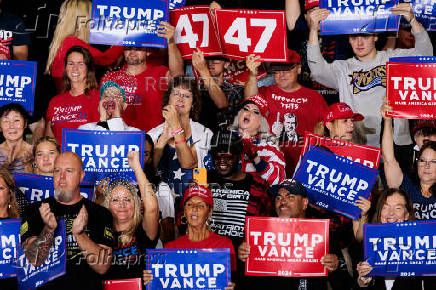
(287,196)
(422,162)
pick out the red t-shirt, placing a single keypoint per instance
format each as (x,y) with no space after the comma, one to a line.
(143,95)
(214,241)
(66,111)
(100,58)
(298,112)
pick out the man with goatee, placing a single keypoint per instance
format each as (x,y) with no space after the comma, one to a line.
(88,229)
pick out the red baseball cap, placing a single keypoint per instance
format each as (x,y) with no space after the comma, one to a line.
(341,111)
(201,191)
(293,59)
(5,50)
(260,102)
(421,124)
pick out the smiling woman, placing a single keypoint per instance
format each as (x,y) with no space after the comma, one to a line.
(15,153)
(79,102)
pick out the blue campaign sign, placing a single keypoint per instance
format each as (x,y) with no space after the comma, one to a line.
(17,83)
(414,59)
(401,249)
(104,153)
(38,187)
(174,4)
(127,22)
(53,267)
(358,16)
(9,240)
(334,182)
(189,269)
(425,12)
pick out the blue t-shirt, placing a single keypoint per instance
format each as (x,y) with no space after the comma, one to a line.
(425,207)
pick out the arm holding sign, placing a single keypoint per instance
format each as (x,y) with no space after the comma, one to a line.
(215,92)
(321,71)
(363,268)
(423,44)
(364,205)
(90,250)
(393,172)
(253,63)
(150,220)
(175,60)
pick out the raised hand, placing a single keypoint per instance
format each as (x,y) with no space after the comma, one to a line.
(48,217)
(80,222)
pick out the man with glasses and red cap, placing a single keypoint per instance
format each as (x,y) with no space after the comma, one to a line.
(286,97)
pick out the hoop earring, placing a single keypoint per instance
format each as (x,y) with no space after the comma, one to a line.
(210,222)
(183,220)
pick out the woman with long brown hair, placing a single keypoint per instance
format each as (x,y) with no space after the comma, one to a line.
(79,103)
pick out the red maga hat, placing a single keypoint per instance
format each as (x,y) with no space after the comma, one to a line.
(341,111)
(260,102)
(201,191)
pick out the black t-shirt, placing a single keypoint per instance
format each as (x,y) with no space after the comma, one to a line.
(12,31)
(233,201)
(79,275)
(128,261)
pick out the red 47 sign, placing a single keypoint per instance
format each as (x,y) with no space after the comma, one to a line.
(194,28)
(243,32)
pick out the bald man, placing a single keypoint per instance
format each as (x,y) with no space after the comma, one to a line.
(89,237)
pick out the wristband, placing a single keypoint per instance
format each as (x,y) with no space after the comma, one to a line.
(180,141)
(178,131)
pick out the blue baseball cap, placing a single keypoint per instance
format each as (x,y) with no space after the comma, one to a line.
(292,185)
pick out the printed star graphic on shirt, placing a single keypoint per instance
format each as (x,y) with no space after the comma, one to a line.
(178,174)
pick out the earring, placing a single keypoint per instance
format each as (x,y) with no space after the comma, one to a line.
(33,165)
(210,222)
(183,220)
(9,205)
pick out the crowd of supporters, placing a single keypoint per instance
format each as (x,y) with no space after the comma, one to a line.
(248,136)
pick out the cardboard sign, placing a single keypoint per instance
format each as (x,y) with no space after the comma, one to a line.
(366,155)
(127,22)
(425,12)
(38,187)
(174,4)
(17,83)
(243,32)
(411,90)
(104,153)
(189,269)
(286,247)
(30,277)
(413,59)
(334,182)
(349,17)
(9,240)
(194,28)
(401,249)
(123,284)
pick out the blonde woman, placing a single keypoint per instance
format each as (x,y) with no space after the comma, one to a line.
(9,208)
(73,29)
(133,231)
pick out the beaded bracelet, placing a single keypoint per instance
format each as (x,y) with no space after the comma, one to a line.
(178,131)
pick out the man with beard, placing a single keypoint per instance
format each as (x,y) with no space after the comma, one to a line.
(145,83)
(88,227)
(111,106)
(220,99)
(291,202)
(236,194)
